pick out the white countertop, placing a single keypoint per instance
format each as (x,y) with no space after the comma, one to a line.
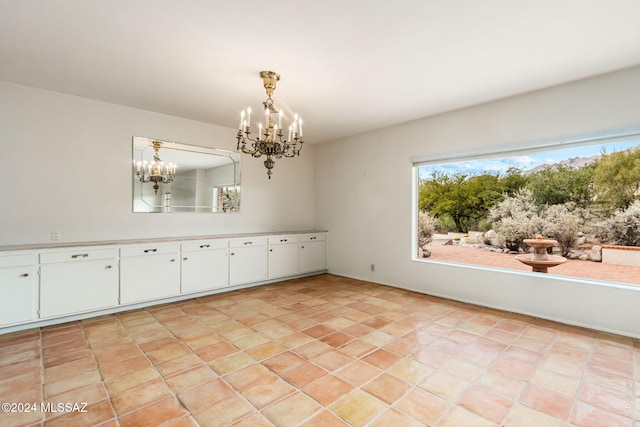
(54,245)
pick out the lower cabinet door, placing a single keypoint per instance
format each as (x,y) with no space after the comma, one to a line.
(204,270)
(149,277)
(18,295)
(248,264)
(282,260)
(68,288)
(312,256)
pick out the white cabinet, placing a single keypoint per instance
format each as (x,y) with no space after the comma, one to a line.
(282,256)
(18,289)
(247,260)
(50,284)
(205,265)
(313,255)
(149,272)
(78,280)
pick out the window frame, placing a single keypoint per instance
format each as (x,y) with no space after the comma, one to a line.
(500,151)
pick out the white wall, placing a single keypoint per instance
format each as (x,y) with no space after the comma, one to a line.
(363,197)
(66,165)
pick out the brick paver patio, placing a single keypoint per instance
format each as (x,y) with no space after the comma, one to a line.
(574,268)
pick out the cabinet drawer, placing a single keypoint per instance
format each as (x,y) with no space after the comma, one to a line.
(248,241)
(276,240)
(204,244)
(78,254)
(313,237)
(150,249)
(17,260)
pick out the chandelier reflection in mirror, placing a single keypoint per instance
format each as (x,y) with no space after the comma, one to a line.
(157,171)
(270,140)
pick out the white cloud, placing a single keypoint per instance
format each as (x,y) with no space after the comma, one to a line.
(520,160)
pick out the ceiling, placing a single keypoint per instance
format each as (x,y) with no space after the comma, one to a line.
(347,66)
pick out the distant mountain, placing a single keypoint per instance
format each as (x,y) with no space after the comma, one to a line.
(575,162)
(572,162)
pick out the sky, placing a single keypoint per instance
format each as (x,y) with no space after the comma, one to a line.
(523,162)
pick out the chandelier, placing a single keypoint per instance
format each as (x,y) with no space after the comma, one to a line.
(157,171)
(270,140)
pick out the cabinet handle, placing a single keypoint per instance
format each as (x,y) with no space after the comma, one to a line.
(149,250)
(284,240)
(108,267)
(248,243)
(185,258)
(233,253)
(302,247)
(270,250)
(172,260)
(24,275)
(204,246)
(313,238)
(79,255)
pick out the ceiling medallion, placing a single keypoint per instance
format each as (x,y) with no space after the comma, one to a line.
(270,140)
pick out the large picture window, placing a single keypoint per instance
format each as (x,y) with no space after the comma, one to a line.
(582,197)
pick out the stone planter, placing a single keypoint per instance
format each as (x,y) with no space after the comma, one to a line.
(622,255)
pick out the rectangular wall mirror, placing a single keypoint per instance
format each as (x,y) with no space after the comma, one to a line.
(169,177)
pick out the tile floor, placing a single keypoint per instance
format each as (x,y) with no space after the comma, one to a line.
(321,351)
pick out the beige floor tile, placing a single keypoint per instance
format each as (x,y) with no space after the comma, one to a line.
(292,410)
(358,407)
(461,417)
(231,362)
(155,414)
(410,371)
(444,385)
(224,412)
(358,372)
(523,416)
(387,388)
(393,417)
(423,406)
(322,351)
(205,394)
(267,392)
(328,389)
(483,402)
(304,374)
(192,377)
(324,418)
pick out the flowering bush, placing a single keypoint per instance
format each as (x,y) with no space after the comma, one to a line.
(624,227)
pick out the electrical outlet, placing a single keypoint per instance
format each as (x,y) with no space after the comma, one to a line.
(373,267)
(56,235)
